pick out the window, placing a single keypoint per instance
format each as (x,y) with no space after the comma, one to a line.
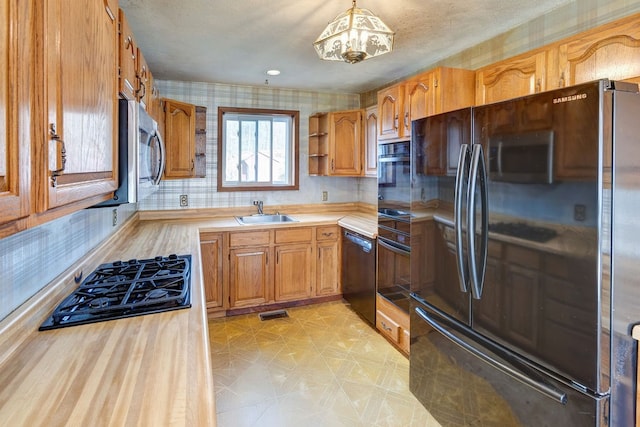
(257,149)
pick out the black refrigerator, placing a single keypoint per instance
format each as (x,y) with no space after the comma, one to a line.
(525,289)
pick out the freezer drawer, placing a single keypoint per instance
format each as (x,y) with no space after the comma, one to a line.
(485,384)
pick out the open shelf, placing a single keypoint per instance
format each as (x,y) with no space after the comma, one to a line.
(318,144)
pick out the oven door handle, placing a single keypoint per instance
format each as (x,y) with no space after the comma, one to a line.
(539,386)
(393,248)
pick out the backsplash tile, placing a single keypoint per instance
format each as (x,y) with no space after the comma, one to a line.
(31,259)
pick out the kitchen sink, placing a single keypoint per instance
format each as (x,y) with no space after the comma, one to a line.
(264,219)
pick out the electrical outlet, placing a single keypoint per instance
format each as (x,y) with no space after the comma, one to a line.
(114,217)
(325,196)
(579,212)
(184,200)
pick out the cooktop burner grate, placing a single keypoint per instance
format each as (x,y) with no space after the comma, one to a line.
(125,289)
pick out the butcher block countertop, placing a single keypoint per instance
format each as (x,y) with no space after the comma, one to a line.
(146,370)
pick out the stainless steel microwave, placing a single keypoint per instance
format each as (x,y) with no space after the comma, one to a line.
(522,157)
(141,155)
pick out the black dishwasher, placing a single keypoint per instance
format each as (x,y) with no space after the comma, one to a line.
(359,274)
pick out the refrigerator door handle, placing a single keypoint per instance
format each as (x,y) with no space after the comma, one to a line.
(461,173)
(541,387)
(477,274)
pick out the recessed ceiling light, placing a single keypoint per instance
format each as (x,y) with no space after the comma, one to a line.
(273,72)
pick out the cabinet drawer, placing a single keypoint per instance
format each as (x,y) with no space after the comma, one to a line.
(294,235)
(253,238)
(330,232)
(387,326)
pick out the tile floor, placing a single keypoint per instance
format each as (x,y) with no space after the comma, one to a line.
(321,366)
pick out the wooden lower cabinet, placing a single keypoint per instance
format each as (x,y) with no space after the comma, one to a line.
(293,277)
(328,273)
(249,269)
(328,268)
(393,323)
(211,247)
(249,276)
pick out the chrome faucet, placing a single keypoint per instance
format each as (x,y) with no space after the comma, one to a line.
(258,203)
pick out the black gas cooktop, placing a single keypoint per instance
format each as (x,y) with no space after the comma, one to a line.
(126,288)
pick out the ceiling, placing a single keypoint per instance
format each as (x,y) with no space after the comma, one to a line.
(237,41)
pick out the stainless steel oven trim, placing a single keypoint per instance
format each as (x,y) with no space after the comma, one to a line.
(393,159)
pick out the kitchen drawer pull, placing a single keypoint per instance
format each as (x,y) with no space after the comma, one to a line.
(55,173)
(385,327)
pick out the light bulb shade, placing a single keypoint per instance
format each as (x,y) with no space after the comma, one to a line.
(353,36)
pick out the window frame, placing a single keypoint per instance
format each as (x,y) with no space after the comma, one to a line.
(295,155)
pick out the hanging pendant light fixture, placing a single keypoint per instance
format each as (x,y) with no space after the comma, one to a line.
(353,36)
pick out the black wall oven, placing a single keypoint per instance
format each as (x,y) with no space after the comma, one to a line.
(394,213)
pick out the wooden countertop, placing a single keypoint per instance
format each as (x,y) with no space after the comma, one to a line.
(145,370)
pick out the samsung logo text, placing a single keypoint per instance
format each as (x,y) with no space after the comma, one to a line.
(570,98)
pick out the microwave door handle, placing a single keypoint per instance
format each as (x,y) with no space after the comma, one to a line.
(476,275)
(463,272)
(163,158)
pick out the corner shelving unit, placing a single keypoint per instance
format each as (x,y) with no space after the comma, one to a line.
(318,144)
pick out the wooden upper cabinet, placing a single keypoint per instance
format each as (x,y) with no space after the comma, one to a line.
(201,142)
(437,91)
(419,98)
(610,51)
(371,142)
(179,138)
(81,83)
(432,92)
(155,105)
(16,76)
(391,113)
(511,78)
(345,143)
(127,55)
(145,83)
